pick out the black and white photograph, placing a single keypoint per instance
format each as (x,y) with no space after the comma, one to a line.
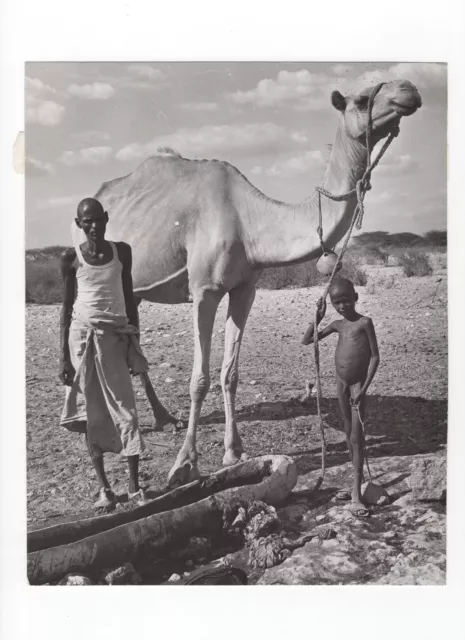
(231,275)
(188,228)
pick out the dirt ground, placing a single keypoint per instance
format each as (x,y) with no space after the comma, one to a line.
(406,411)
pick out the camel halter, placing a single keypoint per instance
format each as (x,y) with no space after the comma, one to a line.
(363,185)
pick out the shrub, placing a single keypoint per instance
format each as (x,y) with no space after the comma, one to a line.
(293,276)
(352,271)
(415,263)
(43,282)
(378,284)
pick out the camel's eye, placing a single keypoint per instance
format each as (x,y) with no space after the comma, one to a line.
(361,103)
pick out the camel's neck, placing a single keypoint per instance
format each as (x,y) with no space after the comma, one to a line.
(280,233)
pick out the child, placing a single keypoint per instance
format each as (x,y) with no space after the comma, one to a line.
(357,359)
(99,348)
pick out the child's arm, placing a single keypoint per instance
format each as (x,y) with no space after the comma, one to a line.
(374,361)
(321,310)
(310,333)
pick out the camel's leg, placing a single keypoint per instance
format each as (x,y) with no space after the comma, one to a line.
(162,416)
(205,306)
(240,303)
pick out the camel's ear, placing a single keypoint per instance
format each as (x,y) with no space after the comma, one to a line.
(338,101)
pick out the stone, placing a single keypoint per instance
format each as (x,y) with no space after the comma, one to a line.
(175,577)
(75,580)
(126,574)
(375,494)
(428,480)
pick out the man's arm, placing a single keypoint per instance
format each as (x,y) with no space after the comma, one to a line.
(68,274)
(310,333)
(125,254)
(374,361)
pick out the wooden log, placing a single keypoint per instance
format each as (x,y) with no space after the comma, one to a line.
(160,531)
(250,472)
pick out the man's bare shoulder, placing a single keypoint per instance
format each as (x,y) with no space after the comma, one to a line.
(124,250)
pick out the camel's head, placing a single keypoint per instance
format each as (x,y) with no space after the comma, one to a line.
(394,100)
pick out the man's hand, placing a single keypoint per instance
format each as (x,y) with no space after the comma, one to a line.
(67,372)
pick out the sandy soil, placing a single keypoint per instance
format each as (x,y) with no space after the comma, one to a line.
(406,413)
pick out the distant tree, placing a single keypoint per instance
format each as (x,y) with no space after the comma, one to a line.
(436,237)
(367,238)
(403,239)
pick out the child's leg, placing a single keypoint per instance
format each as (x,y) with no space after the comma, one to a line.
(358,443)
(343,394)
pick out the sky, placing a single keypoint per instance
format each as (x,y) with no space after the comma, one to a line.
(87,123)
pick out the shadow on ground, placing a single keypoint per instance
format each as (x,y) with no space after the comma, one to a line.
(394,425)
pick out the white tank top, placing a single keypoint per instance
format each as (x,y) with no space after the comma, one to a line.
(100,296)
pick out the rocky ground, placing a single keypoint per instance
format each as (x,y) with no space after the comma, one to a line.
(406,423)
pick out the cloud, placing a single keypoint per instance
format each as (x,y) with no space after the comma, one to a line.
(94,91)
(248,139)
(297,89)
(47,113)
(37,168)
(423,75)
(340,69)
(90,138)
(59,201)
(34,86)
(200,106)
(88,155)
(39,109)
(304,90)
(296,165)
(398,165)
(146,72)
(380,197)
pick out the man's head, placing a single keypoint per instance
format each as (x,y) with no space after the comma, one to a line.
(92,218)
(343,296)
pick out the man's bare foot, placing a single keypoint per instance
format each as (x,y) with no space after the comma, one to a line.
(106,501)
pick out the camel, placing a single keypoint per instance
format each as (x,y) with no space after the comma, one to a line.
(201,225)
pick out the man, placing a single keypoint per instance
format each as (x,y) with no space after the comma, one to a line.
(100,349)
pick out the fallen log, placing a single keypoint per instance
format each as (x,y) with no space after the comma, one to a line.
(113,546)
(250,472)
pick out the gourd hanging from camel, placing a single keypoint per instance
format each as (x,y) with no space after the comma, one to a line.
(200,224)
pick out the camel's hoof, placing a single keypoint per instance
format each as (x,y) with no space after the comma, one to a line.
(183,474)
(231,458)
(166,419)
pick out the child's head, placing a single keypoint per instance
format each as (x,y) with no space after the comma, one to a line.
(343,296)
(92,218)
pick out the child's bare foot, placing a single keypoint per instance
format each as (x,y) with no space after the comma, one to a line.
(106,501)
(357,508)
